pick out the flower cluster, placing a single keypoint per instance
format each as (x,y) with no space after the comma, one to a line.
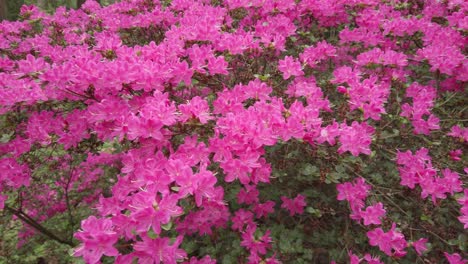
(416,169)
(165,122)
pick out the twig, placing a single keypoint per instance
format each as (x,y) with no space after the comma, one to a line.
(67,200)
(432,233)
(31,222)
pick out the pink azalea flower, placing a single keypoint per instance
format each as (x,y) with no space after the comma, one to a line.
(150,209)
(353,191)
(372,214)
(372,260)
(159,250)
(464,220)
(248,195)
(264,209)
(204,260)
(459,132)
(290,67)
(353,259)
(455,154)
(356,138)
(455,258)
(420,246)
(195,108)
(253,244)
(294,206)
(218,65)
(241,218)
(392,243)
(97,237)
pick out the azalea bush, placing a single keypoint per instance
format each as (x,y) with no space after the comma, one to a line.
(278,131)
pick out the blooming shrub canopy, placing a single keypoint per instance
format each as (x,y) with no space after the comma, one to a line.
(238,131)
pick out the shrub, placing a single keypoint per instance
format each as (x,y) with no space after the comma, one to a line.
(235,132)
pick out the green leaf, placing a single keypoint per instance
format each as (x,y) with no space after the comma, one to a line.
(314,212)
(309,170)
(152,234)
(167,226)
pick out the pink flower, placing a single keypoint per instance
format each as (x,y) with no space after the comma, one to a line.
(236,169)
(372,214)
(199,55)
(455,154)
(204,183)
(459,132)
(248,195)
(372,260)
(264,209)
(212,215)
(464,220)
(295,206)
(353,259)
(290,67)
(314,55)
(32,65)
(443,57)
(14,174)
(98,238)
(356,138)
(149,209)
(420,246)
(218,65)
(392,243)
(195,108)
(369,96)
(353,191)
(329,134)
(204,260)
(159,250)
(241,219)
(455,258)
(464,210)
(451,181)
(253,244)
(255,89)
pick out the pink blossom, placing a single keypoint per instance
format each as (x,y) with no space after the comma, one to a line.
(329,134)
(264,209)
(241,219)
(150,209)
(159,250)
(353,259)
(372,214)
(392,243)
(98,238)
(459,132)
(256,245)
(195,108)
(315,54)
(455,258)
(420,246)
(353,191)
(290,67)
(14,174)
(294,206)
(355,138)
(204,260)
(248,195)
(372,260)
(455,154)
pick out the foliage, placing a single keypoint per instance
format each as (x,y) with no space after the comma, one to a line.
(46,5)
(235,132)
